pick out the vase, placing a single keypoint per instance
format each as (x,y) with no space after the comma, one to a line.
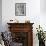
(41,43)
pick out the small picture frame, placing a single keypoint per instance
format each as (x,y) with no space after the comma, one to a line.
(20,9)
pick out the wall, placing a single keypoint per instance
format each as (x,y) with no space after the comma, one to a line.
(33,13)
(43,6)
(0,15)
(43,14)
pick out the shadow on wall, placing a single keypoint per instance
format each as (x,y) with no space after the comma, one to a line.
(43,6)
(0,15)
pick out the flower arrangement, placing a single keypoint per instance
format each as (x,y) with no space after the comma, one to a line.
(40,34)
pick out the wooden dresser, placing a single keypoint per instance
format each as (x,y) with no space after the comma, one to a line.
(22,33)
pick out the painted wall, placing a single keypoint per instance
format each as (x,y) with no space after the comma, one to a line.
(33,13)
(0,15)
(43,14)
(43,6)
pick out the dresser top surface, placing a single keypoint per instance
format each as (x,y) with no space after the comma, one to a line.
(19,23)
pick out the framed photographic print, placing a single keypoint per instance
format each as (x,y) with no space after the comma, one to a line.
(20,9)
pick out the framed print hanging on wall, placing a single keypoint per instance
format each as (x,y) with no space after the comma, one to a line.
(20,9)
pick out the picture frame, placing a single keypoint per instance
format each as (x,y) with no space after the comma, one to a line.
(20,9)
